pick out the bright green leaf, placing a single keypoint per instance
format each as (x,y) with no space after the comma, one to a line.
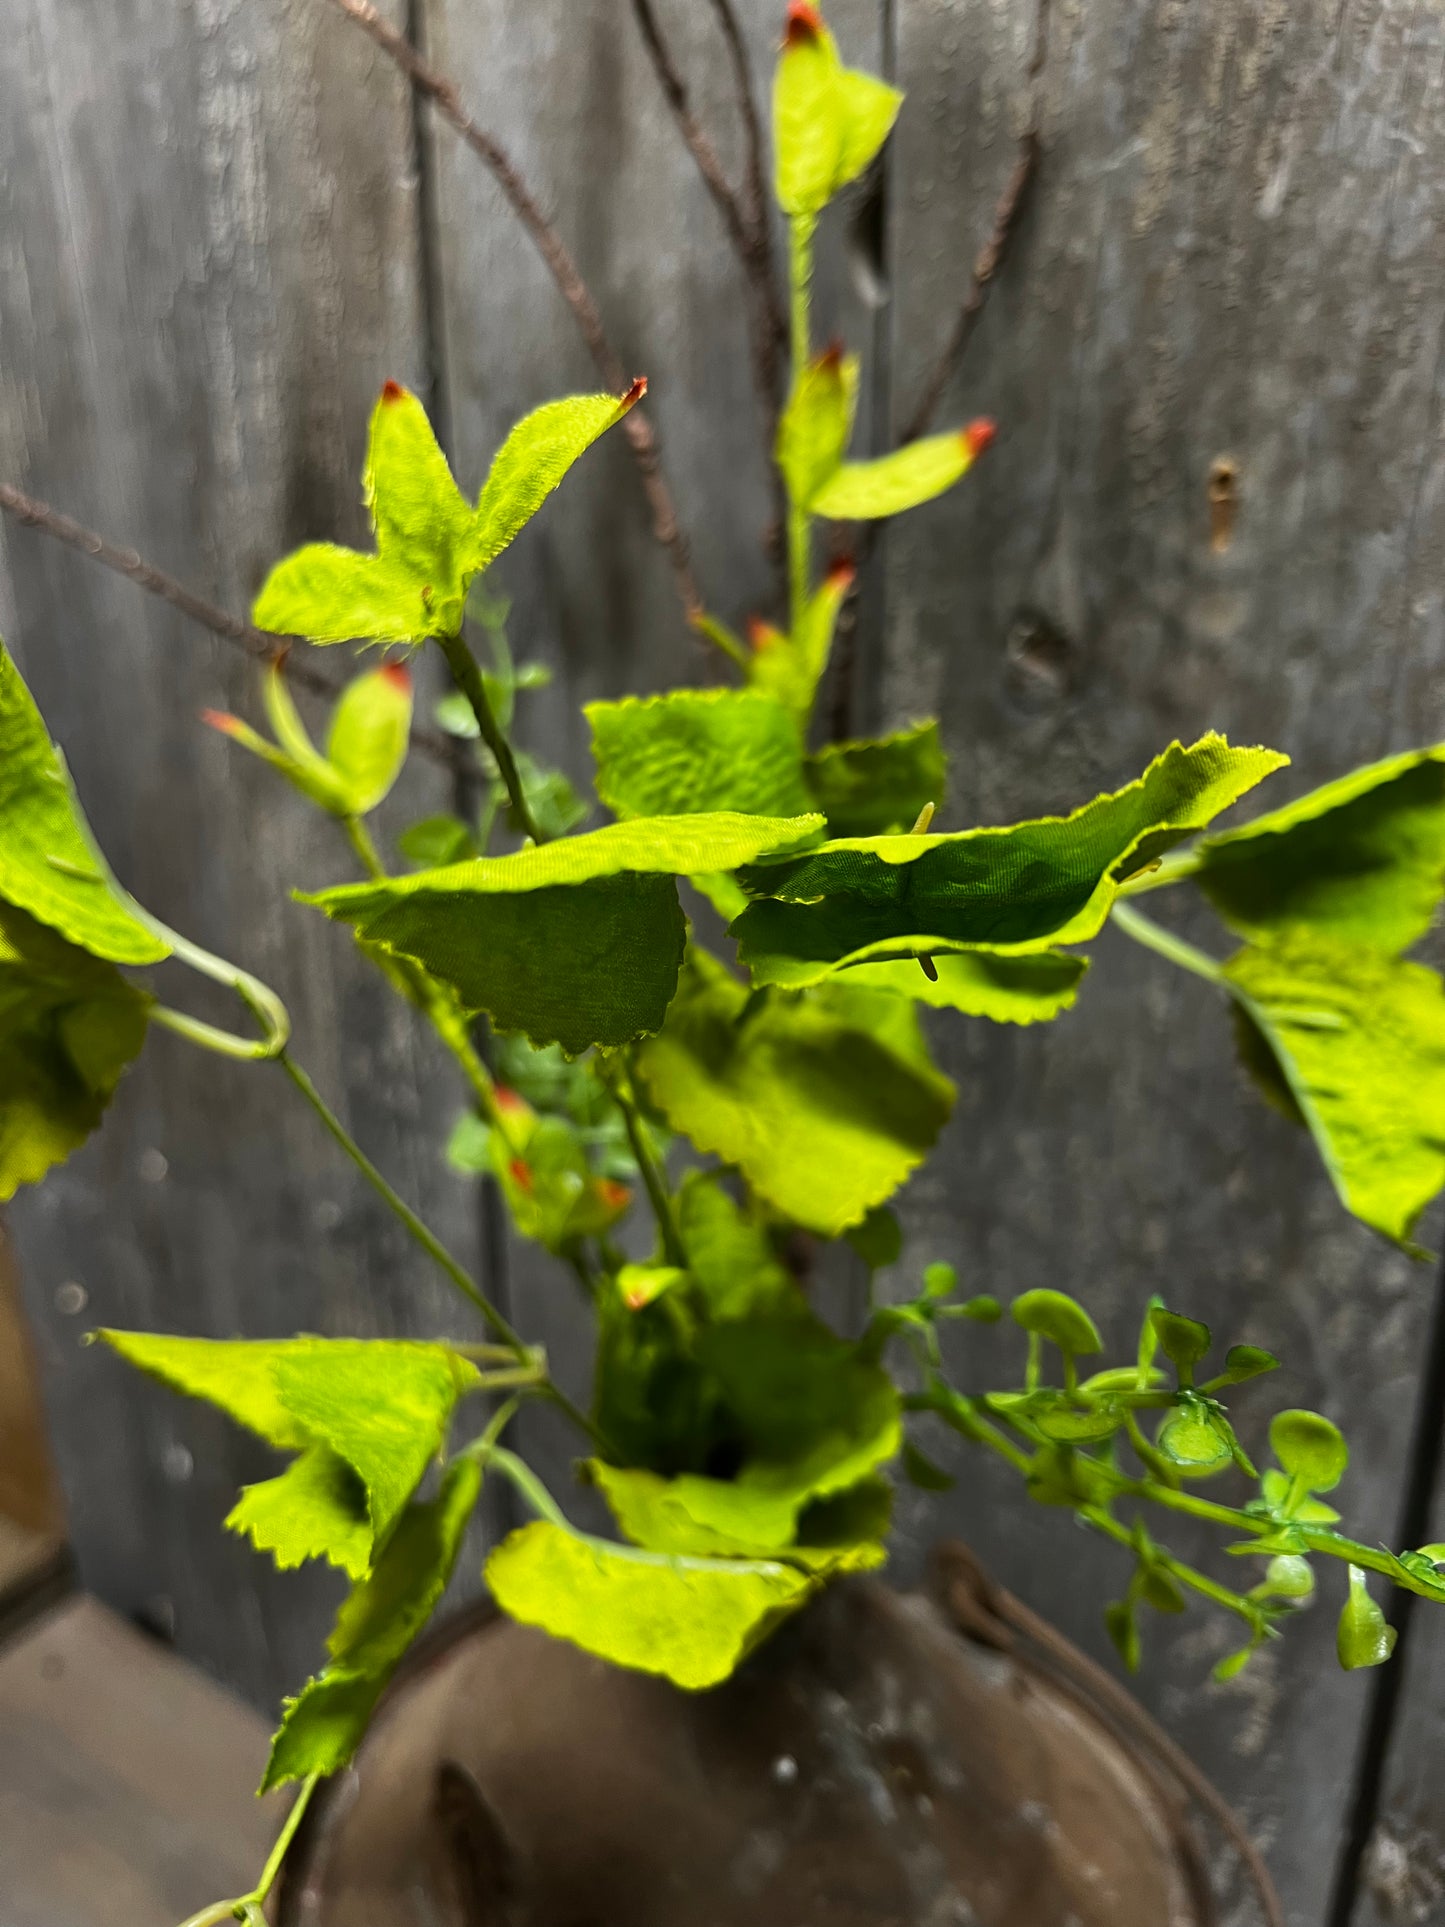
(533,461)
(384,1614)
(1018,889)
(1288,1576)
(729,1253)
(691,1620)
(817,423)
(1184,1341)
(1362,859)
(322,1727)
(876,787)
(1309,1448)
(714,1518)
(1059,1318)
(828,120)
(315,1509)
(437,840)
(234,1374)
(49,864)
(1242,1362)
(1031,989)
(698,749)
(370,731)
(639,1285)
(1363,1636)
(789,668)
(1357,1040)
(910,476)
(1196,1437)
(825,1116)
(575,942)
(69,1026)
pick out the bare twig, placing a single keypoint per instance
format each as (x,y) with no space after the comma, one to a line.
(445,96)
(260,644)
(745,220)
(989,260)
(754,178)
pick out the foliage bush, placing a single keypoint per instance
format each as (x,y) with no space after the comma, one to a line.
(773,1082)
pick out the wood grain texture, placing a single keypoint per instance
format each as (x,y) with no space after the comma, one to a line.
(1232,251)
(571,95)
(208,222)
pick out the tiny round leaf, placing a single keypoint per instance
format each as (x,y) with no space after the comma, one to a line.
(1059,1318)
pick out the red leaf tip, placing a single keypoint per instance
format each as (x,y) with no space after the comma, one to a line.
(805,24)
(220,719)
(841,573)
(398,675)
(762,635)
(508,1100)
(521,1173)
(831,359)
(978,435)
(634,394)
(392,391)
(613,1194)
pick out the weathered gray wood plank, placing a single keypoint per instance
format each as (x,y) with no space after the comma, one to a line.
(572,97)
(208,222)
(1233,250)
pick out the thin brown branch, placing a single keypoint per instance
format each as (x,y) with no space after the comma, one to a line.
(755,172)
(259,644)
(986,265)
(445,96)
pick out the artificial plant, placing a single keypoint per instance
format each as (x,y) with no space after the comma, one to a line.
(667,1115)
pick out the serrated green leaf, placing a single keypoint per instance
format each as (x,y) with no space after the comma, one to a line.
(817,423)
(369,735)
(1032,989)
(533,461)
(824,1115)
(322,1727)
(1310,1448)
(1016,890)
(577,942)
(663,1516)
(381,1405)
(1363,1636)
(438,840)
(1358,1041)
(692,1621)
(892,484)
(315,1509)
(69,1026)
(698,749)
(49,863)
(729,1253)
(828,120)
(872,788)
(1361,859)
(379,1620)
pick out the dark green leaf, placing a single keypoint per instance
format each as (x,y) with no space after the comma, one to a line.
(826,1117)
(878,1240)
(1184,1341)
(872,788)
(1123,1631)
(920,1470)
(1020,889)
(1362,859)
(1358,1040)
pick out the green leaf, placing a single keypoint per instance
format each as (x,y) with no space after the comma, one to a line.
(1232,1665)
(828,120)
(817,423)
(322,1727)
(1184,1341)
(1032,989)
(1288,1576)
(385,1613)
(1362,859)
(824,1115)
(729,1254)
(910,476)
(789,668)
(1242,1362)
(920,1470)
(1275,1493)
(1363,1636)
(874,787)
(639,1285)
(1024,888)
(533,461)
(1358,1041)
(878,1239)
(437,840)
(1309,1448)
(556,807)
(369,736)
(714,1518)
(1059,1318)
(430,544)
(315,1509)
(696,749)
(576,942)
(69,1026)
(49,864)
(1197,1438)
(1123,1631)
(415,585)
(381,1405)
(692,1621)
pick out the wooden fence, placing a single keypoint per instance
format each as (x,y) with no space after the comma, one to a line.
(223,222)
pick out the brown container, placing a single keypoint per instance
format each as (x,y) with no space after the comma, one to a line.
(871,1766)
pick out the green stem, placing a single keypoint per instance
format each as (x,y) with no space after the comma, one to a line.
(1173,868)
(262,1002)
(652,1178)
(468,678)
(1154,937)
(800,276)
(247,1907)
(1196,1581)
